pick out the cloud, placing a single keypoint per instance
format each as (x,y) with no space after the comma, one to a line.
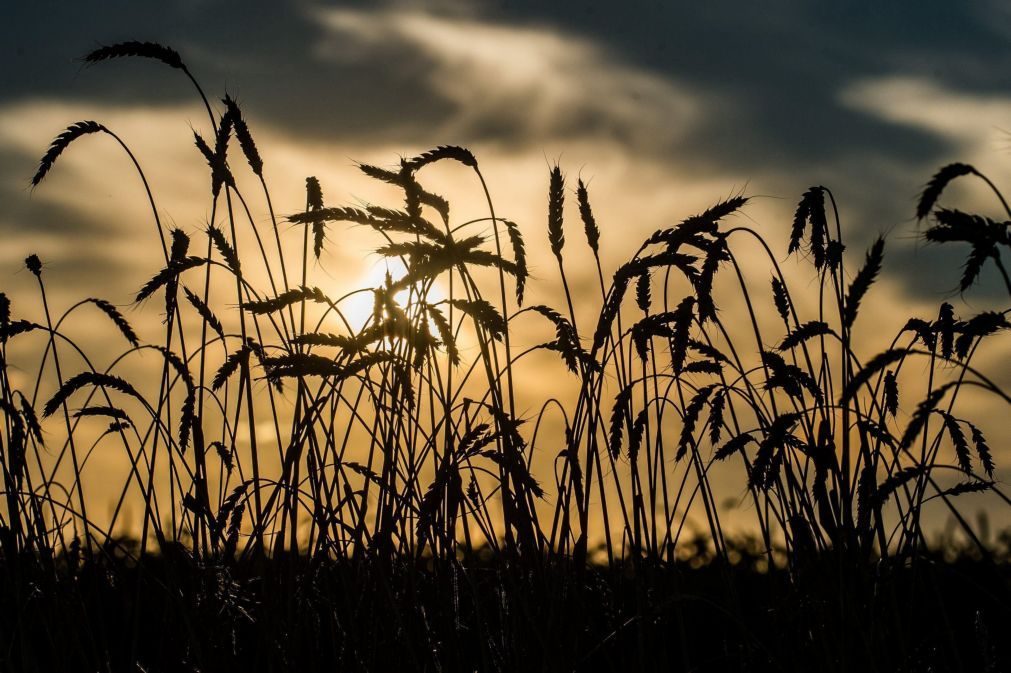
(958,117)
(520,84)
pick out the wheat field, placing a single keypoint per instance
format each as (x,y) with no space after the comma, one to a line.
(305,482)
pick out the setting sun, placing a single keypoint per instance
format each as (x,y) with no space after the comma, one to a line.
(358,308)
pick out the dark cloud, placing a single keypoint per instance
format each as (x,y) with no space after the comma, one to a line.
(779,65)
(261,51)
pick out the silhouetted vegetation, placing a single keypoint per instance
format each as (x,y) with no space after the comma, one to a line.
(394,516)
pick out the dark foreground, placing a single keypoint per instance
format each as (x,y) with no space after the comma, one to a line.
(943,612)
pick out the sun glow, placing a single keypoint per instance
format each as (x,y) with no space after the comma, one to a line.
(358,307)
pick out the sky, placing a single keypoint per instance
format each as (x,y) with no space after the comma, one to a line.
(866,98)
(663,107)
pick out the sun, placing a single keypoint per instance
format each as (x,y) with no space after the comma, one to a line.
(357,308)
